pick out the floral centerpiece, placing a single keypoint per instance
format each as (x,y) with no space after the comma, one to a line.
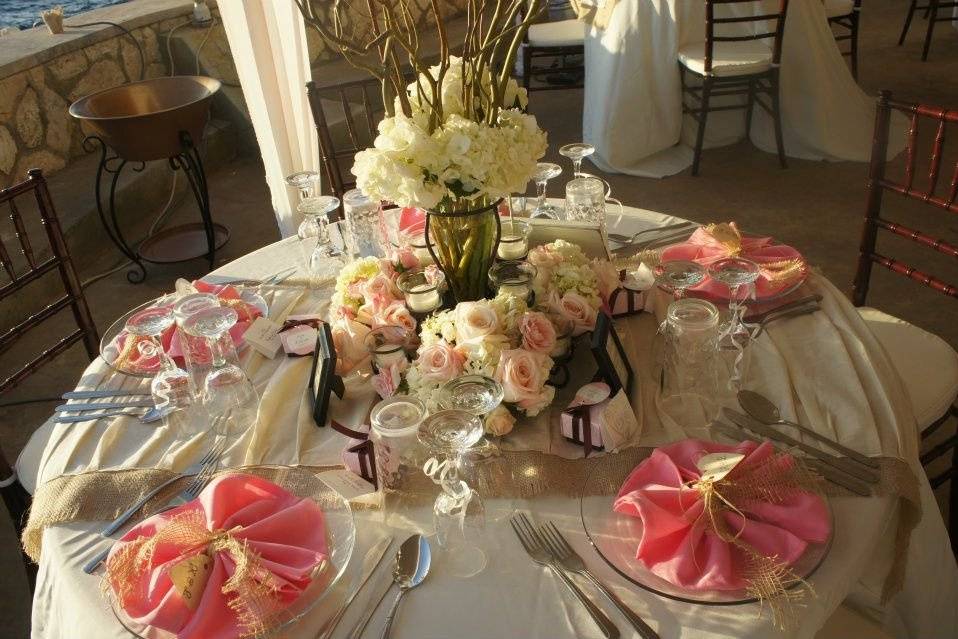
(455,141)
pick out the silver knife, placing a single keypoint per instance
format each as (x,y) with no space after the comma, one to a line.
(774,317)
(60,418)
(74,408)
(839,478)
(385,544)
(94,394)
(847,466)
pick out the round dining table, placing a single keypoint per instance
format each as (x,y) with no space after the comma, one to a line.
(633,97)
(825,369)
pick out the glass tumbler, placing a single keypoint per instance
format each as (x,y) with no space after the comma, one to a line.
(197,358)
(691,348)
(395,436)
(585,201)
(362,224)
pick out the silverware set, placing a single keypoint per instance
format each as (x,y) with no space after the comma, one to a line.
(658,233)
(116,403)
(802,306)
(546,546)
(381,548)
(201,472)
(275,279)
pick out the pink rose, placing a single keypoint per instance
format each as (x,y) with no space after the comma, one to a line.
(608,276)
(474,321)
(538,333)
(500,421)
(348,339)
(523,375)
(387,380)
(440,362)
(544,257)
(576,308)
(395,314)
(379,288)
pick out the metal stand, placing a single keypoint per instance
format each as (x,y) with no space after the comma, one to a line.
(191,164)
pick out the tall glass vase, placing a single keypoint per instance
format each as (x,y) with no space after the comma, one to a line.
(463,237)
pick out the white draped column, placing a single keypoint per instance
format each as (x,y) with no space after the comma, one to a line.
(268,42)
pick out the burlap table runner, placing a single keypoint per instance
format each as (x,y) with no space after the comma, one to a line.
(103,495)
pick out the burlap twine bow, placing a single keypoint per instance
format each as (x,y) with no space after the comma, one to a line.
(729,238)
(251,591)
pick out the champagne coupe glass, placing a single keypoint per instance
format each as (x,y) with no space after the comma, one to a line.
(679,275)
(576,152)
(171,384)
(475,394)
(307,182)
(457,512)
(545,171)
(226,388)
(735,273)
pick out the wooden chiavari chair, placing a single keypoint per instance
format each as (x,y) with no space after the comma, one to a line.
(733,65)
(845,15)
(21,273)
(553,40)
(933,16)
(927,364)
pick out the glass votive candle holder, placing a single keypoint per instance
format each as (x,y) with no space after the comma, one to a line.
(422,289)
(415,240)
(514,239)
(388,345)
(514,277)
(564,328)
(395,436)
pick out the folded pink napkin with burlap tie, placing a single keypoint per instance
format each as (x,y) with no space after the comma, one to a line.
(679,542)
(781,266)
(219,566)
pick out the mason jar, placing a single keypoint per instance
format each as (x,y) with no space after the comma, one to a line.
(395,436)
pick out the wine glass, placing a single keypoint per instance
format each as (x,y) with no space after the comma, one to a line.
(576,152)
(735,273)
(679,275)
(226,387)
(476,394)
(545,171)
(457,511)
(171,384)
(307,182)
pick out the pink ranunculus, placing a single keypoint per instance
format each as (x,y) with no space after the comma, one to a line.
(348,339)
(608,276)
(395,314)
(500,421)
(576,308)
(387,380)
(538,333)
(440,362)
(523,375)
(475,321)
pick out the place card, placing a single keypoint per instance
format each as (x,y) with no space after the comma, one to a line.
(348,484)
(263,337)
(717,466)
(299,340)
(617,416)
(189,578)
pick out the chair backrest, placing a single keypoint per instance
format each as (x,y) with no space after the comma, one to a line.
(29,267)
(354,106)
(928,193)
(753,21)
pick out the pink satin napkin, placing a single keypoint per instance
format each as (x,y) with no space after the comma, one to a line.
(781,266)
(286,534)
(678,545)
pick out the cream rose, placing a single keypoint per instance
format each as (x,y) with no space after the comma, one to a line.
(578,309)
(538,333)
(523,375)
(500,421)
(348,339)
(395,314)
(439,362)
(474,321)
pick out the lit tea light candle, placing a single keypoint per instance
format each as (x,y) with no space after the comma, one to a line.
(422,289)
(512,278)
(387,345)
(517,288)
(514,243)
(423,299)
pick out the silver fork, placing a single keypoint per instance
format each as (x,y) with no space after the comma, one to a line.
(535,547)
(188,494)
(571,561)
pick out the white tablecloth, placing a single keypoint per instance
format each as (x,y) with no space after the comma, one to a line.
(514,598)
(633,99)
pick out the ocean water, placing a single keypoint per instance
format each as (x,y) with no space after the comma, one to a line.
(23,13)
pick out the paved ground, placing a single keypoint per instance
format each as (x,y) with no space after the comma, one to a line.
(815,206)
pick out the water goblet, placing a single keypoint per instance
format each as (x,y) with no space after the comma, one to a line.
(457,511)
(576,152)
(307,182)
(226,387)
(545,171)
(737,274)
(171,384)
(678,276)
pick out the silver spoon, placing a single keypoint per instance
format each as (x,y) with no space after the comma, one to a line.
(411,543)
(412,566)
(761,408)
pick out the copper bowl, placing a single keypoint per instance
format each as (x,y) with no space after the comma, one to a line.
(142,121)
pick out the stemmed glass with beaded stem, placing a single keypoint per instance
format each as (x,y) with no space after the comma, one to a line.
(577,151)
(678,276)
(314,239)
(306,182)
(457,511)
(226,387)
(475,394)
(171,384)
(737,274)
(545,171)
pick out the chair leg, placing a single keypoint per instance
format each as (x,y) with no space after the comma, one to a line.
(703,117)
(526,68)
(777,116)
(953,504)
(911,14)
(748,109)
(933,6)
(855,18)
